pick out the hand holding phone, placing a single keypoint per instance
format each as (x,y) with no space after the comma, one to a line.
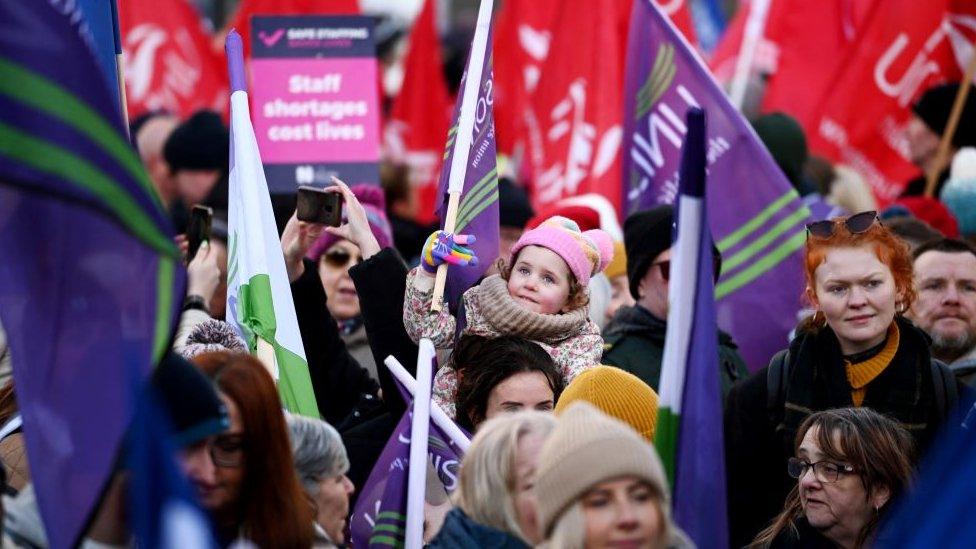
(198,229)
(318,206)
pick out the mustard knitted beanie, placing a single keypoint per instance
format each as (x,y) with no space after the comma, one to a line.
(618,394)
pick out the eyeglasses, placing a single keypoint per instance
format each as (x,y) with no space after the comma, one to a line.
(227,450)
(338,258)
(824,471)
(855,224)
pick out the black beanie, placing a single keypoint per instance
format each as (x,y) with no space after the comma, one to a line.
(784,138)
(647,234)
(190,400)
(202,142)
(934,108)
(514,209)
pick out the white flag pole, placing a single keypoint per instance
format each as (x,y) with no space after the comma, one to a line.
(437,414)
(755,27)
(419,427)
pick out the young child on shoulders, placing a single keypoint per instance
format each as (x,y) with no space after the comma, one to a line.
(540,294)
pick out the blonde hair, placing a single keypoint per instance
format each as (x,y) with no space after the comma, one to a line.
(487,482)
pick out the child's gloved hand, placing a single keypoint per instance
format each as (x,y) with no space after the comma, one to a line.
(442,247)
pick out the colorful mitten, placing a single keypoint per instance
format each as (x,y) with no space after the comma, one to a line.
(442,247)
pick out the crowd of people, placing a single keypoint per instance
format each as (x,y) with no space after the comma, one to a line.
(556,364)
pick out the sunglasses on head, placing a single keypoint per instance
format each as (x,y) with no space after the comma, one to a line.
(339,258)
(855,224)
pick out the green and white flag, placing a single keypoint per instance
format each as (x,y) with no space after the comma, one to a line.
(259,301)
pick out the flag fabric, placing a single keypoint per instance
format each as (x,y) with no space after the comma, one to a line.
(679,12)
(89,275)
(241,20)
(710,22)
(576,147)
(165,513)
(903,48)
(726,53)
(380,516)
(102,25)
(755,215)
(478,208)
(259,300)
(421,113)
(169,61)
(937,510)
(689,428)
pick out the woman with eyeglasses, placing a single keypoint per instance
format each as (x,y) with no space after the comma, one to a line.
(849,464)
(256,495)
(857,351)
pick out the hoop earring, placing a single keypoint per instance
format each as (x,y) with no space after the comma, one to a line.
(819,319)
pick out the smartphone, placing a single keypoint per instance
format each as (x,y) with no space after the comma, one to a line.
(198,229)
(317,206)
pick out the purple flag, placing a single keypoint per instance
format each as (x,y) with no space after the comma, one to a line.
(689,432)
(88,270)
(380,516)
(755,215)
(478,209)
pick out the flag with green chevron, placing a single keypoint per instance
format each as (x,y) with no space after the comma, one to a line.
(478,210)
(90,278)
(757,218)
(259,301)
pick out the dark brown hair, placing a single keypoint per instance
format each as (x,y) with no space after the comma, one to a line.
(273,510)
(879,449)
(578,297)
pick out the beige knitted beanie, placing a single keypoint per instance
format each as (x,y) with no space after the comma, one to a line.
(587,448)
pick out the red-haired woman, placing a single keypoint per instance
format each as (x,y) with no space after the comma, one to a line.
(857,350)
(257,495)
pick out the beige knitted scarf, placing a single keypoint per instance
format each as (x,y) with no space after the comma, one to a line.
(509,317)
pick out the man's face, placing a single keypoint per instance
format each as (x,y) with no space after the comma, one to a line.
(946,304)
(193,186)
(653,288)
(922,143)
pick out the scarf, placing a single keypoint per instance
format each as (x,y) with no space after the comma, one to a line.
(510,317)
(818,381)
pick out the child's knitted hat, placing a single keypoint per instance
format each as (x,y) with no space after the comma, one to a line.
(586,252)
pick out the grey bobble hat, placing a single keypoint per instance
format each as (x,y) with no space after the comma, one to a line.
(587,448)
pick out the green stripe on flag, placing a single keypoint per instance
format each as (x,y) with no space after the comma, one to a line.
(756,222)
(666,440)
(49,158)
(764,264)
(482,206)
(385,540)
(392,515)
(471,200)
(47,96)
(164,307)
(778,230)
(256,313)
(392,528)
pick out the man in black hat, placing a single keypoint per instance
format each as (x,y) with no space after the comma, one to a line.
(635,337)
(198,155)
(925,129)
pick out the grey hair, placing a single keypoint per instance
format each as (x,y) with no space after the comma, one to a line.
(487,479)
(317,451)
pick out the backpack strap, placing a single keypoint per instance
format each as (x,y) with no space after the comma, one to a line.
(946,390)
(777,376)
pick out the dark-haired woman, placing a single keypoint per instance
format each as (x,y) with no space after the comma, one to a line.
(858,350)
(849,464)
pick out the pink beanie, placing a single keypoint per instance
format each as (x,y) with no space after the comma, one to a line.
(373,201)
(586,252)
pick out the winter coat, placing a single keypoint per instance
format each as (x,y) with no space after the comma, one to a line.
(965,369)
(459,531)
(573,341)
(759,438)
(635,343)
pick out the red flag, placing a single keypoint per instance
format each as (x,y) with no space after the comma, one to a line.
(574,132)
(815,39)
(169,62)
(421,114)
(680,14)
(905,47)
(248,8)
(723,59)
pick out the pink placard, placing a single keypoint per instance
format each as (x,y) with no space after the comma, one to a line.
(315,110)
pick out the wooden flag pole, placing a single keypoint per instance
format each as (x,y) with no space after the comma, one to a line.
(120,67)
(453,203)
(950,131)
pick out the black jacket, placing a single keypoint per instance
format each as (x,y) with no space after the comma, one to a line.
(460,532)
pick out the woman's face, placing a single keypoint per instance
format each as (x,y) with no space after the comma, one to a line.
(230,463)
(521,391)
(332,502)
(623,512)
(838,509)
(523,496)
(334,272)
(857,294)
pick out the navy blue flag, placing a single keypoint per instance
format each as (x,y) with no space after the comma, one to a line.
(89,275)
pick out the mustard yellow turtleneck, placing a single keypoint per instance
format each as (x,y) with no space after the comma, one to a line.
(859,374)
